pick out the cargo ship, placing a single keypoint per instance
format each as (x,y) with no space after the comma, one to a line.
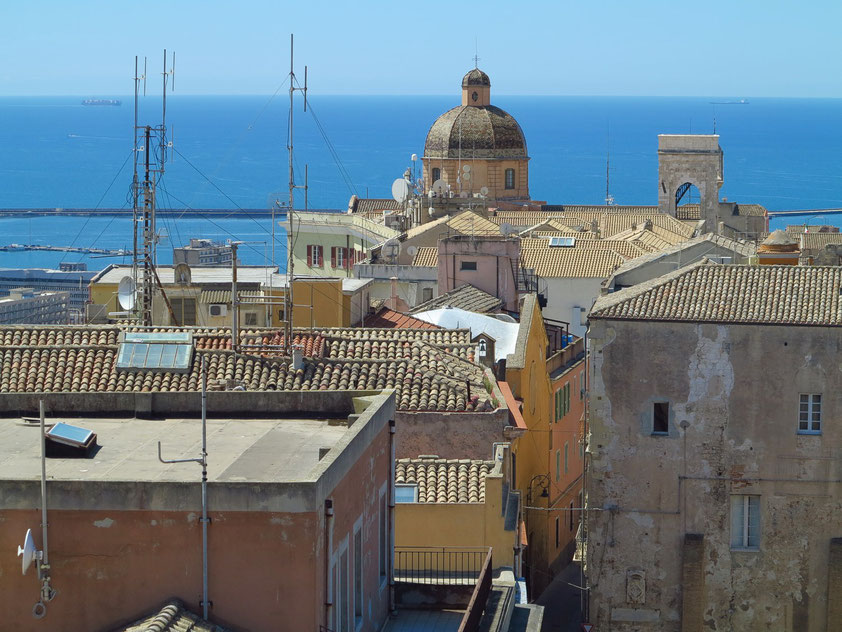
(102,102)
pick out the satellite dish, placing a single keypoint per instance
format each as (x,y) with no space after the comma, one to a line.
(466,169)
(440,186)
(412,251)
(182,273)
(507,229)
(400,190)
(126,293)
(464,194)
(466,175)
(391,249)
(414,157)
(27,551)
(483,191)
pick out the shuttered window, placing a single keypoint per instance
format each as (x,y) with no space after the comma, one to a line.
(184,310)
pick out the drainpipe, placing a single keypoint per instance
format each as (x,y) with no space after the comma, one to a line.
(47,592)
(205,602)
(391,515)
(328,549)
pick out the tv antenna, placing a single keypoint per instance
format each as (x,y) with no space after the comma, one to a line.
(288,325)
(145,251)
(203,461)
(609,199)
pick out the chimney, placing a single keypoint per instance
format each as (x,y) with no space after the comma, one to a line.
(297,357)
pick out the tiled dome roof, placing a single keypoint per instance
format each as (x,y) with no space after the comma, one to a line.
(480,131)
(475,77)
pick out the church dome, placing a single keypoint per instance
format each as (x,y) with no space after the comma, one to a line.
(476,77)
(480,131)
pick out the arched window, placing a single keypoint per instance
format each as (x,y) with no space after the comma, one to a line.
(510,178)
(436,174)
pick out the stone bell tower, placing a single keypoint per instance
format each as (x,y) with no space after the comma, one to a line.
(685,160)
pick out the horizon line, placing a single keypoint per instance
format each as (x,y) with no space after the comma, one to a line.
(415,95)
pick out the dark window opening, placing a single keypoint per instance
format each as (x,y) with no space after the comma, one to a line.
(660,418)
(436,174)
(469,265)
(510,178)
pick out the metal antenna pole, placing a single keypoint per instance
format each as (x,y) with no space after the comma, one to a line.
(204,490)
(134,180)
(290,242)
(235,301)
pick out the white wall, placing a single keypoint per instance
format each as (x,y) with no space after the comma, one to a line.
(567,296)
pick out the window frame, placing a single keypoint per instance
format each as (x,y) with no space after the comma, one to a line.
(666,419)
(383,542)
(413,486)
(742,540)
(358,582)
(509,176)
(814,404)
(467,266)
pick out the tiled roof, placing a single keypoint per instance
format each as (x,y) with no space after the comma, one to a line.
(571,262)
(427,257)
(387,318)
(445,480)
(224,296)
(172,617)
(693,211)
(466,297)
(469,223)
(813,243)
(610,219)
(373,205)
(430,369)
(706,292)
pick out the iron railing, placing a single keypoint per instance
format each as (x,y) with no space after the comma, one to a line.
(439,565)
(476,607)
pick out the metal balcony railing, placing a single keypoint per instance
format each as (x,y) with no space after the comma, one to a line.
(439,565)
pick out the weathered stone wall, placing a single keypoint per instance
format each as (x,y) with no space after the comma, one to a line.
(733,393)
(692,158)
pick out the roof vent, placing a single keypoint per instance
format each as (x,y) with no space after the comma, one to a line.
(297,357)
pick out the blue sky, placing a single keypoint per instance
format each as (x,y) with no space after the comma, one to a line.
(590,47)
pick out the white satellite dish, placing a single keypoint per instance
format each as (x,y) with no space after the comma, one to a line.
(466,175)
(126,293)
(28,552)
(440,186)
(466,168)
(483,191)
(507,229)
(400,190)
(182,273)
(463,195)
(412,251)
(391,249)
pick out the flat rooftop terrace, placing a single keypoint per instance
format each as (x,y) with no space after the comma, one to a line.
(239,450)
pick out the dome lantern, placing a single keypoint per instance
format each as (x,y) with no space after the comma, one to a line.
(476,88)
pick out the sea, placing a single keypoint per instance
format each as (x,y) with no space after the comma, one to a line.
(230,152)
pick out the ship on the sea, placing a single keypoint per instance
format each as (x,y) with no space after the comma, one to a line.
(102,102)
(740,102)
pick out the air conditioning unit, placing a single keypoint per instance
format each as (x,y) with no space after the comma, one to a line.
(220,309)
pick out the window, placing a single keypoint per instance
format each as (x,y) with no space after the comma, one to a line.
(406,493)
(426,294)
(338,257)
(562,242)
(314,256)
(384,536)
(562,401)
(141,350)
(510,178)
(557,465)
(251,319)
(660,418)
(810,414)
(745,522)
(566,456)
(436,175)
(184,310)
(342,598)
(358,576)
(469,265)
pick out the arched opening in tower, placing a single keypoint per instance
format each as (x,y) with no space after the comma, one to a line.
(687,193)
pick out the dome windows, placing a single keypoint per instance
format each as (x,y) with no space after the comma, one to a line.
(510,178)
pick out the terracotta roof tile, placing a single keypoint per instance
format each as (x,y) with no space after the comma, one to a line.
(465,297)
(172,617)
(445,480)
(705,292)
(387,318)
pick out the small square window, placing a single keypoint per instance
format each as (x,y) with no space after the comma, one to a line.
(406,493)
(469,265)
(660,418)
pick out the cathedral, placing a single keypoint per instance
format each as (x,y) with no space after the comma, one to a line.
(476,149)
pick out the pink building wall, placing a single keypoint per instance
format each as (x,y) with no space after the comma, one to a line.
(496,258)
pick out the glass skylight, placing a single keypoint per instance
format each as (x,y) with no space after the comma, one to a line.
(154,355)
(70,435)
(562,242)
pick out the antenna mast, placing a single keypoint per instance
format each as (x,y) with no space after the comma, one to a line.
(288,303)
(145,251)
(609,199)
